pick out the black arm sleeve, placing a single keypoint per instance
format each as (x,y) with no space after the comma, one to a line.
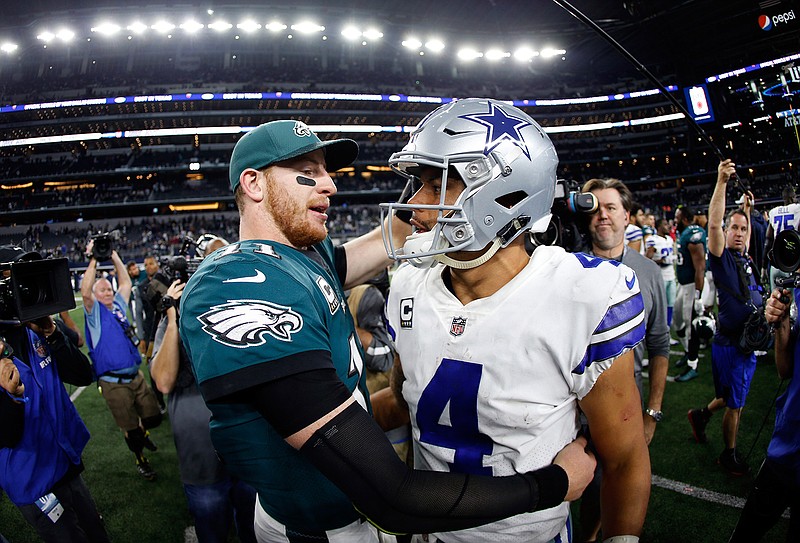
(13,416)
(352,451)
(73,366)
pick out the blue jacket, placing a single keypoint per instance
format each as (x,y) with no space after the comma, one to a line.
(54,435)
(114,352)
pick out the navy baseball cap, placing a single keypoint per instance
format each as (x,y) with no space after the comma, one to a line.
(281,140)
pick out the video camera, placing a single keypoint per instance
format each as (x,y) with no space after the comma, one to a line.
(182,265)
(568,204)
(785,255)
(178,267)
(103,246)
(34,288)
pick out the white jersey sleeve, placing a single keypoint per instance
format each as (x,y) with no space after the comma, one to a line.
(633,233)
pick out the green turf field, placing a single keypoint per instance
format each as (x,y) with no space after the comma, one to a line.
(136,510)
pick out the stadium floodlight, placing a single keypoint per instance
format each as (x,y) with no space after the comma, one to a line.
(549,52)
(220,26)
(412,43)
(435,45)
(469,54)
(162,26)
(137,27)
(307,27)
(373,34)
(249,26)
(8,47)
(525,54)
(191,26)
(496,54)
(275,26)
(106,28)
(46,36)
(351,33)
(65,34)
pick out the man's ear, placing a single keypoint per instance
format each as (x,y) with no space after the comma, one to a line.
(253,184)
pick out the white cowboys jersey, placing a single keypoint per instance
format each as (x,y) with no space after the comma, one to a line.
(665,251)
(493,385)
(785,218)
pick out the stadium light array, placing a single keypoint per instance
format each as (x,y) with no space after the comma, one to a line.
(434,45)
(106,28)
(307,27)
(162,26)
(191,26)
(249,26)
(549,52)
(469,54)
(220,26)
(411,43)
(63,34)
(137,27)
(351,33)
(496,54)
(8,47)
(525,54)
(275,26)
(373,34)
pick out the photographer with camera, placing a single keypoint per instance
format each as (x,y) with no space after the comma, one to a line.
(215,498)
(42,436)
(732,360)
(113,349)
(777,484)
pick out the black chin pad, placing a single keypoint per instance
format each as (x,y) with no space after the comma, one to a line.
(303,180)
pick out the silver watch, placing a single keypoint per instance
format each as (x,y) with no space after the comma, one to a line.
(657,415)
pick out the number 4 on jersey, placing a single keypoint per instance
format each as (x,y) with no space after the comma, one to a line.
(452,395)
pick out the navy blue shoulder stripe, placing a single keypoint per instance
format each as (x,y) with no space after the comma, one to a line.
(620,313)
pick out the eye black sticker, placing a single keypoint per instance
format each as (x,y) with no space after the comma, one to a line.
(307,181)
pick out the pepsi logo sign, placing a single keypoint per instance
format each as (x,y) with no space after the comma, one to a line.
(767,22)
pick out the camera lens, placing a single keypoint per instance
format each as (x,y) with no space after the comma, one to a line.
(786,251)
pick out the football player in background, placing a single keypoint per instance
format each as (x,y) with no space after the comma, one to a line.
(497,350)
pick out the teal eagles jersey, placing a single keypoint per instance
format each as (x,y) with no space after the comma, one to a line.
(685,268)
(246,309)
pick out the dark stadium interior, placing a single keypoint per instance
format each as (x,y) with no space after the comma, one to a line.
(59,177)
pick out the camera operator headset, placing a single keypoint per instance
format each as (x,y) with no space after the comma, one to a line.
(42,436)
(113,349)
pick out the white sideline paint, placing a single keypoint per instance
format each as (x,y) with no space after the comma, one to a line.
(702,493)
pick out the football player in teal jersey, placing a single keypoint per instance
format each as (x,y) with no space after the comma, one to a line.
(279,365)
(690,270)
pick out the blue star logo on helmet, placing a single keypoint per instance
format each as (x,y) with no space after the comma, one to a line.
(500,128)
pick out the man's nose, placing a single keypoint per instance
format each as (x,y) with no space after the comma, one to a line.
(326,185)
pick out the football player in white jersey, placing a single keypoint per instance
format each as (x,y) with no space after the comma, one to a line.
(785,217)
(664,256)
(497,350)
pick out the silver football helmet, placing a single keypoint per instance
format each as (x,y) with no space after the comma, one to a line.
(508,166)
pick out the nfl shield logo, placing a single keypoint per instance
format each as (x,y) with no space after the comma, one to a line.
(457,326)
(40,348)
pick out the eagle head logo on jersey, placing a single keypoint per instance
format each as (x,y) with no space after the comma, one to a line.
(243,323)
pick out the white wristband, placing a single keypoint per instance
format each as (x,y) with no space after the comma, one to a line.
(622,539)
